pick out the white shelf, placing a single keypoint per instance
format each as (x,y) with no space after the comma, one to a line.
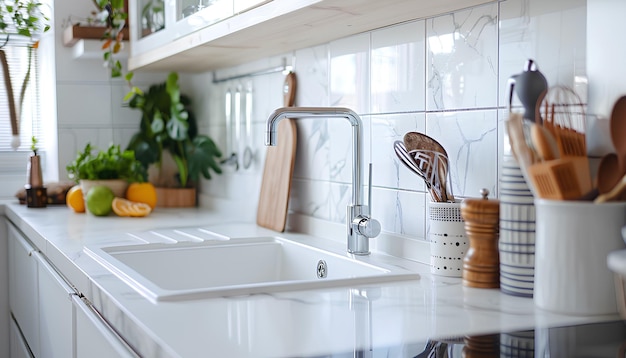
(92,50)
(280,26)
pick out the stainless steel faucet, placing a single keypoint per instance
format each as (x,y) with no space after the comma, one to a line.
(359,225)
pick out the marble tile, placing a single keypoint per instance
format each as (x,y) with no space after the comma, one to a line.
(462,59)
(470,138)
(398,68)
(553,34)
(350,72)
(388,170)
(400,212)
(340,143)
(311,198)
(313,149)
(340,196)
(312,71)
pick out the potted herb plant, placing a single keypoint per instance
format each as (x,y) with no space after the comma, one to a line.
(168,129)
(112,167)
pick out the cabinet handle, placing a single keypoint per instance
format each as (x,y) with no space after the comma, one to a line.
(104,327)
(22,241)
(41,260)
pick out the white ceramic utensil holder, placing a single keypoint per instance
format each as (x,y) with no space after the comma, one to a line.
(573,240)
(517,232)
(448,244)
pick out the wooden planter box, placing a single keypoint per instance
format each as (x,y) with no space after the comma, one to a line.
(72,34)
(176,197)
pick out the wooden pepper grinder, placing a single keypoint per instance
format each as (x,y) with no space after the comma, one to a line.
(481,265)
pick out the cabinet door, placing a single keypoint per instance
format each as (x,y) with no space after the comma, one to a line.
(4,289)
(17,345)
(23,297)
(55,312)
(94,337)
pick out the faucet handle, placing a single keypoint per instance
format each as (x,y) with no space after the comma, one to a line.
(367,227)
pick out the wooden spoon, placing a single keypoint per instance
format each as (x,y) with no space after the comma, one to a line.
(419,141)
(618,131)
(609,173)
(614,194)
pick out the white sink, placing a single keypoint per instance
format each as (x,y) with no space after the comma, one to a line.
(191,270)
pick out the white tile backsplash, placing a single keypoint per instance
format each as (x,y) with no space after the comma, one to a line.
(388,170)
(470,138)
(462,52)
(444,76)
(349,72)
(398,68)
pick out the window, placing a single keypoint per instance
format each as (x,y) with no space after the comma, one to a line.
(29,118)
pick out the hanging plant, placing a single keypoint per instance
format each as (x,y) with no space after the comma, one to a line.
(22,18)
(113,13)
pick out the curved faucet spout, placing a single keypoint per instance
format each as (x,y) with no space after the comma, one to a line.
(302,112)
(360,226)
(326,112)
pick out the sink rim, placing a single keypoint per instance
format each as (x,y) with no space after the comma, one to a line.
(102,253)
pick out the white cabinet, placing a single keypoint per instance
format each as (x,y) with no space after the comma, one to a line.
(51,319)
(17,345)
(232,32)
(4,289)
(55,312)
(95,339)
(23,293)
(39,300)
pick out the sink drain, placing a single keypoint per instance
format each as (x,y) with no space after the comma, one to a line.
(322,269)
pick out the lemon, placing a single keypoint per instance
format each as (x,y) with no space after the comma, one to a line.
(74,199)
(99,200)
(123,207)
(142,193)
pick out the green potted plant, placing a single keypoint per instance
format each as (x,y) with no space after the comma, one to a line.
(112,167)
(168,129)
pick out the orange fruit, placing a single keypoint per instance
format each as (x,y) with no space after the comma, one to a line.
(74,199)
(142,193)
(123,207)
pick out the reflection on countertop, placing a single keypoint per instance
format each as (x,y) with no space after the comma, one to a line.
(607,339)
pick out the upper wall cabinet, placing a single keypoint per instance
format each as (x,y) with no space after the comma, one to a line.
(203,35)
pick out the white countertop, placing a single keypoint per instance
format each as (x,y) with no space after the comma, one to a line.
(394,319)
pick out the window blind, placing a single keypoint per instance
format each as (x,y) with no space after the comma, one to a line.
(29,119)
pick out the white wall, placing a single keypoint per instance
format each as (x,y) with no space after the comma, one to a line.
(606,57)
(89,102)
(444,76)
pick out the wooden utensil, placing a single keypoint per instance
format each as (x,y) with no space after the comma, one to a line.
(279,163)
(608,173)
(565,118)
(618,131)
(614,194)
(521,152)
(543,142)
(561,179)
(415,141)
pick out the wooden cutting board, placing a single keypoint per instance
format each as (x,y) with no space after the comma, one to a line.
(279,163)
